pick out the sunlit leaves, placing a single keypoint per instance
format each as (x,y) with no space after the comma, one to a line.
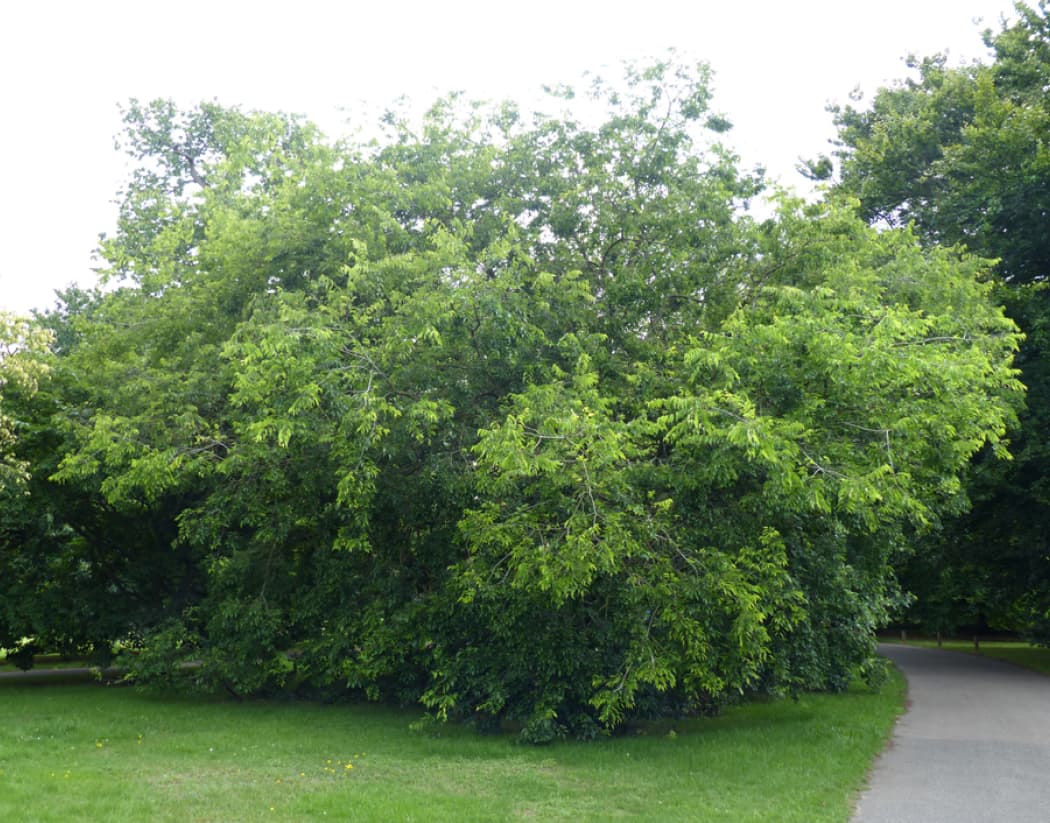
(560,507)
(23,365)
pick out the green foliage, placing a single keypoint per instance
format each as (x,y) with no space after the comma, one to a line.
(961,154)
(522,421)
(21,369)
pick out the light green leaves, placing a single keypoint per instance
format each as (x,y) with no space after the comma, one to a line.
(23,364)
(560,508)
(859,392)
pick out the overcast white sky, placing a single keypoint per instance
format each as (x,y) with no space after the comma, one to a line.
(64,67)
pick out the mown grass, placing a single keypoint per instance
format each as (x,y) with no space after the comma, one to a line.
(1017,652)
(70,753)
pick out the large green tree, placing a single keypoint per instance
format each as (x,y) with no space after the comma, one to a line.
(523,418)
(962,154)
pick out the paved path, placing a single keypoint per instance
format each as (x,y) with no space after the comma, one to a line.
(79,674)
(973,746)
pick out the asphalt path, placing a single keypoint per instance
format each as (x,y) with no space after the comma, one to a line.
(72,674)
(973,746)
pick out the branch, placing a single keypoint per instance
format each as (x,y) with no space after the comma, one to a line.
(819,469)
(925,341)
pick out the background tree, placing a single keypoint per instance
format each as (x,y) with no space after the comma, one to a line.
(961,153)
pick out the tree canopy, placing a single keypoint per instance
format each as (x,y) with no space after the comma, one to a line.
(522,418)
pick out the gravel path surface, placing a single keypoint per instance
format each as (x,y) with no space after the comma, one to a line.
(973,746)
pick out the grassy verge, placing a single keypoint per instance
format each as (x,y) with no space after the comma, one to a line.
(70,753)
(1021,654)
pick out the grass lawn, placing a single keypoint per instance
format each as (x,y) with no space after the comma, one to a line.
(72,753)
(1012,651)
